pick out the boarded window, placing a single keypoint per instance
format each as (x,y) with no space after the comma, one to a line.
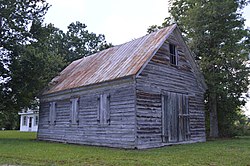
(103,112)
(52,113)
(173,54)
(175,117)
(74,109)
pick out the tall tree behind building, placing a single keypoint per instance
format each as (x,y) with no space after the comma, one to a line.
(215,32)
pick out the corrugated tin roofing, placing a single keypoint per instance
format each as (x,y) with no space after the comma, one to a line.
(116,62)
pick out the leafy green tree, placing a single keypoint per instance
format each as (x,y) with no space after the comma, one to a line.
(15,19)
(215,32)
(81,42)
(33,53)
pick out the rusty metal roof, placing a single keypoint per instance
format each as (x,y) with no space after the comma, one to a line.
(116,62)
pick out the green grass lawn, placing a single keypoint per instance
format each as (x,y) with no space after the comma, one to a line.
(20,148)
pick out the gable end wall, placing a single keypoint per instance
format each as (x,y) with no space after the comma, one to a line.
(159,77)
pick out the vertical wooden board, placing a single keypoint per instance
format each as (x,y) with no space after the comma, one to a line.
(172,118)
(168,113)
(54,112)
(101,111)
(108,108)
(74,111)
(98,109)
(187,120)
(163,121)
(176,119)
(77,110)
(185,117)
(181,120)
(165,125)
(71,115)
(50,112)
(104,108)
(74,106)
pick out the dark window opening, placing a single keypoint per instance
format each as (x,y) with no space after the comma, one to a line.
(173,54)
(30,122)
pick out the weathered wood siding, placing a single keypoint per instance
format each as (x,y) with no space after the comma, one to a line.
(160,76)
(135,106)
(119,133)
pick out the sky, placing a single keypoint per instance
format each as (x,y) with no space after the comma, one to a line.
(119,20)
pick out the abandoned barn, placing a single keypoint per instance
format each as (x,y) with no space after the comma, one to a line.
(142,94)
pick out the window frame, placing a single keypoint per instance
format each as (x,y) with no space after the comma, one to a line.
(173,54)
(24,121)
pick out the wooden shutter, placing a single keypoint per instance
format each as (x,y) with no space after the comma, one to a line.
(103,109)
(107,109)
(52,113)
(98,109)
(74,110)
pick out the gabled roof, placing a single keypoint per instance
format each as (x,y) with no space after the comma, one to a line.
(124,60)
(113,63)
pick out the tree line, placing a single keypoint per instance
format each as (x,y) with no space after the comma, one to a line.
(216,33)
(32,53)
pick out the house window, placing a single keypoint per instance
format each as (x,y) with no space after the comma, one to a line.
(24,120)
(52,113)
(175,117)
(36,120)
(103,112)
(74,110)
(30,121)
(173,54)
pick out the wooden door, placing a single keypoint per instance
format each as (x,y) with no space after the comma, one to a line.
(175,117)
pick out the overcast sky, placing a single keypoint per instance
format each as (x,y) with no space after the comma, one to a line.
(119,20)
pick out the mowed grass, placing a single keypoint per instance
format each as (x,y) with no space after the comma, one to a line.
(20,148)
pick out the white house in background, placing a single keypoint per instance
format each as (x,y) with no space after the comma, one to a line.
(29,119)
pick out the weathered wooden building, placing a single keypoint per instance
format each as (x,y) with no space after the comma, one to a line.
(142,94)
